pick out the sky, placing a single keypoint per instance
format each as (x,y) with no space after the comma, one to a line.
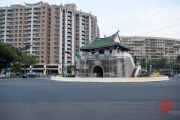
(155,18)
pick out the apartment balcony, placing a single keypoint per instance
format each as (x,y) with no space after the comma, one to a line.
(10,25)
(69,39)
(10,20)
(68,46)
(69,14)
(69,26)
(36,27)
(2,21)
(69,30)
(2,29)
(69,22)
(12,16)
(36,19)
(35,49)
(27,41)
(29,23)
(28,19)
(69,42)
(2,33)
(68,55)
(9,32)
(34,36)
(35,14)
(28,11)
(69,60)
(69,34)
(36,41)
(2,13)
(27,36)
(37,10)
(69,18)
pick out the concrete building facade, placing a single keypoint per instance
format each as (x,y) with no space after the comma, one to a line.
(152,48)
(56,32)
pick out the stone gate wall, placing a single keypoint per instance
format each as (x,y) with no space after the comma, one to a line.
(112,67)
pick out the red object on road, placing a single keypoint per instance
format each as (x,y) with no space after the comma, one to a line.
(166,105)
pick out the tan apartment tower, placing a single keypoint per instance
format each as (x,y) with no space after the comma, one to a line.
(56,32)
(152,48)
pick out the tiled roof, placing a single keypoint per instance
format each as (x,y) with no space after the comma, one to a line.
(106,42)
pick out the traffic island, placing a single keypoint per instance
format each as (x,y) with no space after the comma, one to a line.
(110,80)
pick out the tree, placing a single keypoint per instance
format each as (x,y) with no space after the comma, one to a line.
(178,59)
(143,63)
(10,54)
(28,60)
(70,68)
(7,51)
(135,60)
(16,68)
(156,64)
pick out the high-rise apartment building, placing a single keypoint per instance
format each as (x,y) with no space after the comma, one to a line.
(152,48)
(55,32)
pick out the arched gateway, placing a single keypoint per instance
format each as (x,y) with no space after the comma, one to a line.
(97,71)
(105,57)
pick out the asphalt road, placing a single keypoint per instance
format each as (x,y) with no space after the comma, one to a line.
(43,99)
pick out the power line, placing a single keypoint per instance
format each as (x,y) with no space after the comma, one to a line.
(160,29)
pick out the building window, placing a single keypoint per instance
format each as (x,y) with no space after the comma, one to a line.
(101,51)
(110,51)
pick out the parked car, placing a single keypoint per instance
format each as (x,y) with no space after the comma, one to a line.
(170,74)
(24,76)
(32,75)
(19,74)
(37,74)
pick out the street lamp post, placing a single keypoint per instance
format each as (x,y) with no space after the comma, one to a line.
(150,68)
(145,56)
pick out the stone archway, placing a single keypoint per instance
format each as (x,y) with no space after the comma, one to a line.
(97,71)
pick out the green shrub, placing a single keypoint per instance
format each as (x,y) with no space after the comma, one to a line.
(143,75)
(64,75)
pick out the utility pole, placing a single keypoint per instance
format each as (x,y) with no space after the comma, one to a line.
(145,54)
